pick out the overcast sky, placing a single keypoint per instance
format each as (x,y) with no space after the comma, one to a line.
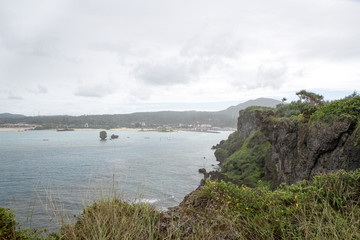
(113,56)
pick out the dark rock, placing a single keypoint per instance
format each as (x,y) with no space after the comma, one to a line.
(301,150)
(203,171)
(103,135)
(113,136)
(216,175)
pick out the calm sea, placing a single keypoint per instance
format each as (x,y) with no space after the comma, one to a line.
(42,172)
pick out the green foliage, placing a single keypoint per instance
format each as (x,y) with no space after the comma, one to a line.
(328,206)
(252,109)
(311,98)
(306,105)
(221,154)
(339,110)
(295,108)
(246,165)
(9,227)
(225,148)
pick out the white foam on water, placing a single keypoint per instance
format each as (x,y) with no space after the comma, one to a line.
(146,200)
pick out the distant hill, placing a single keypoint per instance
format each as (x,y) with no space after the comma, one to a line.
(10,115)
(224,118)
(233,111)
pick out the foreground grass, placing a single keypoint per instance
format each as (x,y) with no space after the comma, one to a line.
(114,219)
(327,207)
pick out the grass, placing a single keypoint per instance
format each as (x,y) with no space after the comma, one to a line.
(326,207)
(114,219)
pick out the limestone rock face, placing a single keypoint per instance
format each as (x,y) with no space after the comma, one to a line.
(246,124)
(300,150)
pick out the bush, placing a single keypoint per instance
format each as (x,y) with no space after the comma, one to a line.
(295,109)
(339,110)
(327,207)
(9,227)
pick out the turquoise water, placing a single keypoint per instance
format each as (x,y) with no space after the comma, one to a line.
(40,169)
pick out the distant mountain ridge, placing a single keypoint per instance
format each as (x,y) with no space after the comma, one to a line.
(10,115)
(233,111)
(223,118)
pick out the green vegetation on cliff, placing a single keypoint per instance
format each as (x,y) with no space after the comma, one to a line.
(338,110)
(10,229)
(246,165)
(272,141)
(228,147)
(325,207)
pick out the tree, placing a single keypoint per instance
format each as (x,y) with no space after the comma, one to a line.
(103,135)
(311,98)
(283,100)
(354,94)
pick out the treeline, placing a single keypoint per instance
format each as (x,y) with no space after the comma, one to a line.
(223,119)
(145,119)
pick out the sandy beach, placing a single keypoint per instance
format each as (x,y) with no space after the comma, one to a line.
(82,129)
(13,129)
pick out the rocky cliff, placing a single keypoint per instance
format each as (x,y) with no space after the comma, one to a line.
(298,147)
(301,150)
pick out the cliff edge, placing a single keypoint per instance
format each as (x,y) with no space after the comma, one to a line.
(292,142)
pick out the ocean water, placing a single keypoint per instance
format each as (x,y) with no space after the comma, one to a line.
(43,173)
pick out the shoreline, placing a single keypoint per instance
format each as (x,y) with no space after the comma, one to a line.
(76,129)
(22,129)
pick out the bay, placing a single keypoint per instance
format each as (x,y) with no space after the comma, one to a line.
(45,173)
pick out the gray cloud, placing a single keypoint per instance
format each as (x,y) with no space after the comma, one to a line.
(271,74)
(332,46)
(171,71)
(14,97)
(40,89)
(94,91)
(123,48)
(214,40)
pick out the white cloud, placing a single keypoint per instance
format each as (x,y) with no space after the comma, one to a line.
(172,51)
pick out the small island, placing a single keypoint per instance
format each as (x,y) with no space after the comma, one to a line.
(65,129)
(113,136)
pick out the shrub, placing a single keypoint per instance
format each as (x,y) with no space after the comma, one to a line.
(339,110)
(9,227)
(328,206)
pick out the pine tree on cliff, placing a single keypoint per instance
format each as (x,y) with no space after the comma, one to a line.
(310,97)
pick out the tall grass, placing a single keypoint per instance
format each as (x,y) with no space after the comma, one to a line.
(114,219)
(327,207)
